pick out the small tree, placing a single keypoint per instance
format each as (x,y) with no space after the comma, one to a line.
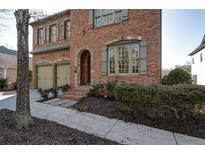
(177,76)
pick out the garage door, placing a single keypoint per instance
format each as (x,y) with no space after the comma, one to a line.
(63,74)
(45,77)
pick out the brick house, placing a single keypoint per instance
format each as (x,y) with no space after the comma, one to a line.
(84,47)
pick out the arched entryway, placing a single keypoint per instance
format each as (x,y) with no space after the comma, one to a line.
(85,68)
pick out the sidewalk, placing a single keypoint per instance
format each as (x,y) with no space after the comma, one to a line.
(112,129)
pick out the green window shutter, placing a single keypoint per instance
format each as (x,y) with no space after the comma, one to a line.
(143,57)
(57,31)
(44,35)
(91,18)
(104,61)
(124,14)
(36,37)
(48,34)
(62,30)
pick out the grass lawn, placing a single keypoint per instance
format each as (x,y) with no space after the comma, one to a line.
(44,132)
(116,109)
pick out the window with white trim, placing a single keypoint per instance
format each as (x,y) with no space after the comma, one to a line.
(53,33)
(126,59)
(107,16)
(1,73)
(40,36)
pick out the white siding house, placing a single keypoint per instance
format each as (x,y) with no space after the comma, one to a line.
(198,64)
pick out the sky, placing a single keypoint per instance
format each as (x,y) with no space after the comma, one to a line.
(182,32)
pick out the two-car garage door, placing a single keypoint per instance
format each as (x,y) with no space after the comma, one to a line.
(46,79)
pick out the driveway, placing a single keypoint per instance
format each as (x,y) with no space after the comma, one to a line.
(112,129)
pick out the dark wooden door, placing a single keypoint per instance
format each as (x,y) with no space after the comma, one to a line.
(85,68)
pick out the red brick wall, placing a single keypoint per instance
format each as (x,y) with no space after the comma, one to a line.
(145,23)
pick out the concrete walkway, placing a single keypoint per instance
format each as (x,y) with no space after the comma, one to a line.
(112,129)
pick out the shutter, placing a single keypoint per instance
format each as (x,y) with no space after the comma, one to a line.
(44,35)
(36,37)
(48,34)
(124,14)
(57,33)
(104,61)
(143,57)
(91,18)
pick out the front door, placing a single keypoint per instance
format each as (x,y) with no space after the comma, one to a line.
(85,68)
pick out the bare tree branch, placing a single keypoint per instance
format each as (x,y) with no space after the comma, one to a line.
(37,14)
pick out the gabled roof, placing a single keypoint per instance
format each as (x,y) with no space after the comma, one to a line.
(7,51)
(199,48)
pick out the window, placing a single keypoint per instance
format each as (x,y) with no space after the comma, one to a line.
(201,57)
(107,16)
(66,29)
(40,36)
(126,58)
(53,33)
(1,73)
(192,60)
(194,77)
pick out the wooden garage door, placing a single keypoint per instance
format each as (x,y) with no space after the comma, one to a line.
(45,77)
(63,74)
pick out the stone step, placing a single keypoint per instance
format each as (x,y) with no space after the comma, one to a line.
(76,93)
(70,97)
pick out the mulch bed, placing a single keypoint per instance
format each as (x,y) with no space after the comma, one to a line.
(116,109)
(43,132)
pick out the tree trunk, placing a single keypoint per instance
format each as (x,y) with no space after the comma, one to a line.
(23,117)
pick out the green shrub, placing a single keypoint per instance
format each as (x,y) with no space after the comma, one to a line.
(186,99)
(110,87)
(44,93)
(63,88)
(177,76)
(95,89)
(3,83)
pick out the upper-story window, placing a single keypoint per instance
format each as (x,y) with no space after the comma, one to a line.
(193,60)
(53,33)
(127,59)
(66,29)
(201,57)
(40,36)
(106,16)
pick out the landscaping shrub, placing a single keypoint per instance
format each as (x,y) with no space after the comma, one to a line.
(177,76)
(183,100)
(187,100)
(104,89)
(64,88)
(44,93)
(110,87)
(96,89)
(3,83)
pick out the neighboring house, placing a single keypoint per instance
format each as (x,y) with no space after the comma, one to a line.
(85,47)
(8,64)
(198,64)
